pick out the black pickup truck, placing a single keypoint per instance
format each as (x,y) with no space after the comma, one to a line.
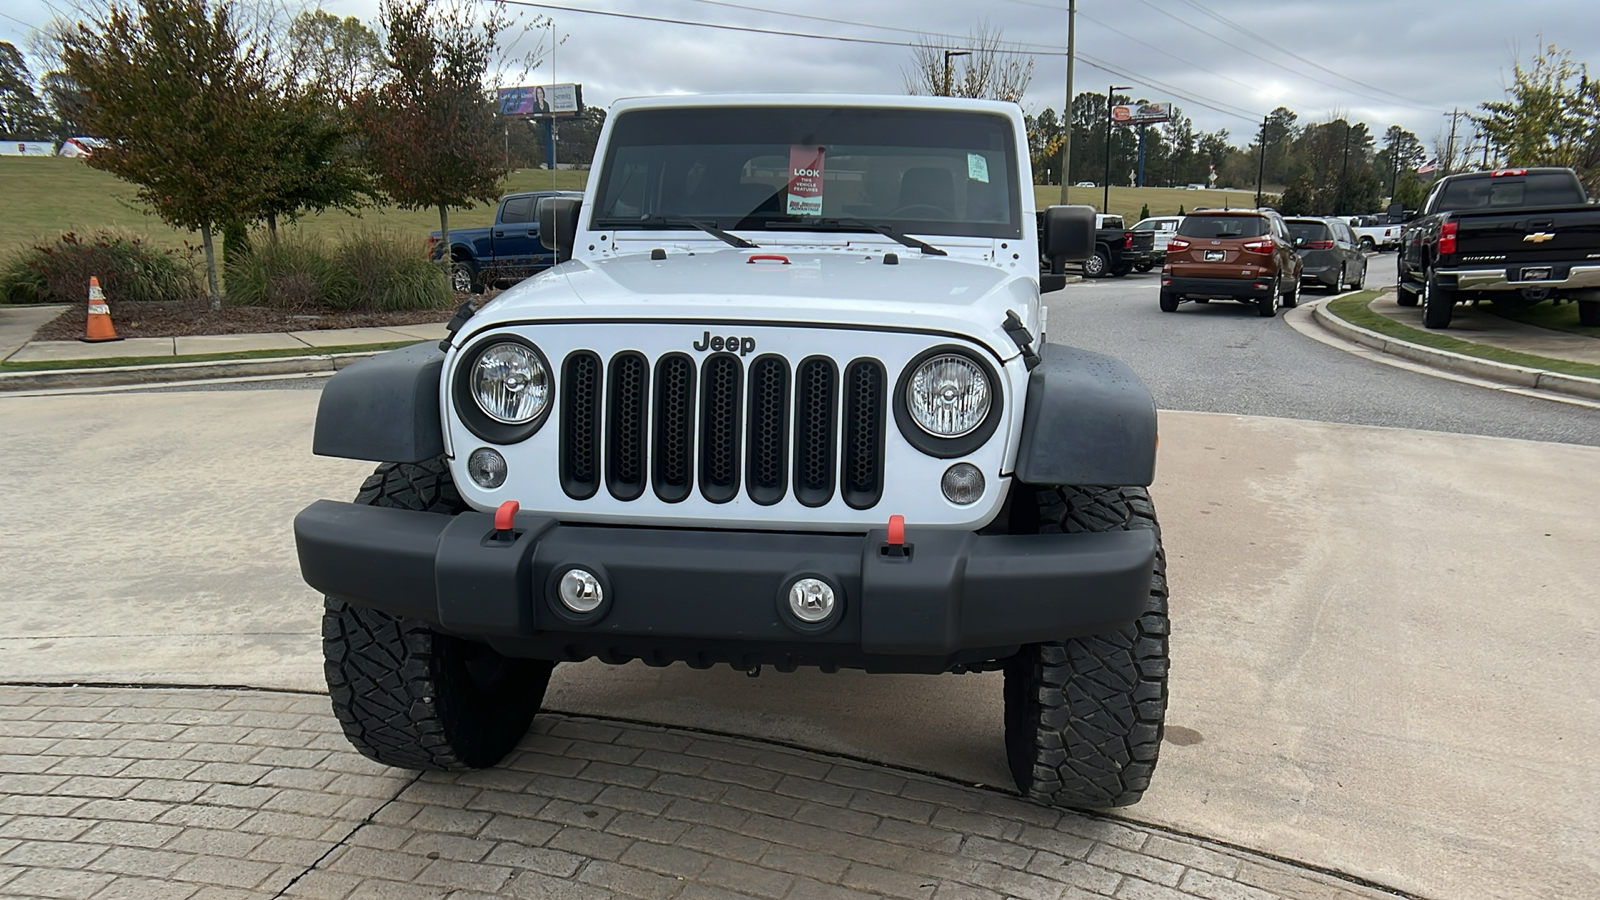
(1117,249)
(1513,236)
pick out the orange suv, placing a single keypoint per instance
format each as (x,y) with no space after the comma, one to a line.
(1240,254)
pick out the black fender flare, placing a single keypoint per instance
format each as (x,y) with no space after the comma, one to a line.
(384,409)
(1087,419)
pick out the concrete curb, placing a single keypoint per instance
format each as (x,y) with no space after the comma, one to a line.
(1521,376)
(177,372)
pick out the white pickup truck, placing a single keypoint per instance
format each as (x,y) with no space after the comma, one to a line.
(784,401)
(1373,233)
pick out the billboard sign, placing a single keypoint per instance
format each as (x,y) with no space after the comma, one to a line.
(27,148)
(542,100)
(1143,114)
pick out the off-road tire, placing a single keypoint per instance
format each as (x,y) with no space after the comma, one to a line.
(1404,296)
(1169,301)
(1267,307)
(1084,716)
(406,695)
(1589,313)
(1438,304)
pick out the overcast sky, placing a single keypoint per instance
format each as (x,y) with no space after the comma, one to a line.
(1405,62)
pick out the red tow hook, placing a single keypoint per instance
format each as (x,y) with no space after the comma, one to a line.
(895,546)
(505,519)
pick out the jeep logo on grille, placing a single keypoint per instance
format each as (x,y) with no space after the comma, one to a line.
(743,346)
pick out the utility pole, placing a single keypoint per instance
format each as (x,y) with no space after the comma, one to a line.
(1066,111)
(1261,166)
(1105,204)
(1450,148)
(1339,209)
(947,55)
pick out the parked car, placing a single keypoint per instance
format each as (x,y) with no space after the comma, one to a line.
(1373,233)
(1086,184)
(1514,236)
(1241,254)
(507,251)
(1161,229)
(1330,253)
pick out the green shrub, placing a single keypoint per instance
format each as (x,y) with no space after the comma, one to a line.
(363,271)
(128,269)
(392,271)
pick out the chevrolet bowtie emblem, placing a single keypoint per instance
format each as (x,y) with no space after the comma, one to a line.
(1538,237)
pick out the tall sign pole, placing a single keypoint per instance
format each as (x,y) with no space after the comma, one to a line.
(1105,204)
(1261,167)
(1066,111)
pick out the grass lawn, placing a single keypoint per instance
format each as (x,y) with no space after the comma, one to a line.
(1353,309)
(1557,317)
(46,196)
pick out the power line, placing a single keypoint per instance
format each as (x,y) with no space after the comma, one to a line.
(775,32)
(1304,60)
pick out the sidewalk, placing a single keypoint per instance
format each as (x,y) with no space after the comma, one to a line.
(192,358)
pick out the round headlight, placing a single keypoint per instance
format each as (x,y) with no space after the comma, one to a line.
(948,396)
(510,383)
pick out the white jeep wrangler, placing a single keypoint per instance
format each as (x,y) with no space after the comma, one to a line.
(785,402)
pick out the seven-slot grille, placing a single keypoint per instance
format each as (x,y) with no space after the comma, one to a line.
(723,427)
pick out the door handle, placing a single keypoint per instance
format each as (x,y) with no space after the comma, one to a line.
(499,233)
(533,232)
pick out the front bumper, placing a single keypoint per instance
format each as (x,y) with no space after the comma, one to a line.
(1238,288)
(707,597)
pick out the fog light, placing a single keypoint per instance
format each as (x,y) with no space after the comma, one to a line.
(962,484)
(811,600)
(581,591)
(487,468)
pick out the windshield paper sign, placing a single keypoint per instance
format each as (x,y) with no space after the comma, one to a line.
(805,180)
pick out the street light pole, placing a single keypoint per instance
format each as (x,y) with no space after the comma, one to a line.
(1066,111)
(947,56)
(1105,204)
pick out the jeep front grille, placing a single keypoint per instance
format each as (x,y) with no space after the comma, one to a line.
(725,426)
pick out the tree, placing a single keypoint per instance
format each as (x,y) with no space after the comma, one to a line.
(66,102)
(21,113)
(430,126)
(175,89)
(1550,117)
(1045,134)
(342,57)
(1402,153)
(987,68)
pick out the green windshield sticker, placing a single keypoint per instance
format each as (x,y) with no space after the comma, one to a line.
(977,167)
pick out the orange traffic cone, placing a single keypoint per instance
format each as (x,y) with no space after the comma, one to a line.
(99,327)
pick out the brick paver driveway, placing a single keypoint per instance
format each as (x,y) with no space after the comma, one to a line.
(200,793)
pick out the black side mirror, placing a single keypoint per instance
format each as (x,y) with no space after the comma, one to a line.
(558,225)
(1049,282)
(1067,236)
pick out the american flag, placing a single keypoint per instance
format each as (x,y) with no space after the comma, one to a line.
(1426,167)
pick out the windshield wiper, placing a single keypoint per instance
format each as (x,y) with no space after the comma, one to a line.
(884,230)
(707,227)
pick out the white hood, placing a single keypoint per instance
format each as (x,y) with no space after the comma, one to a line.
(835,286)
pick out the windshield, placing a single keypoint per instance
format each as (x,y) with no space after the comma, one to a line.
(770,168)
(1223,226)
(1536,189)
(1311,231)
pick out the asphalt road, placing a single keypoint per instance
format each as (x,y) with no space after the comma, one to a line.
(1221,357)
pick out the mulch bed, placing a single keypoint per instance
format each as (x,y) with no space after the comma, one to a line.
(188,319)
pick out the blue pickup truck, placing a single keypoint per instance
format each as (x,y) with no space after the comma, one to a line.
(507,251)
